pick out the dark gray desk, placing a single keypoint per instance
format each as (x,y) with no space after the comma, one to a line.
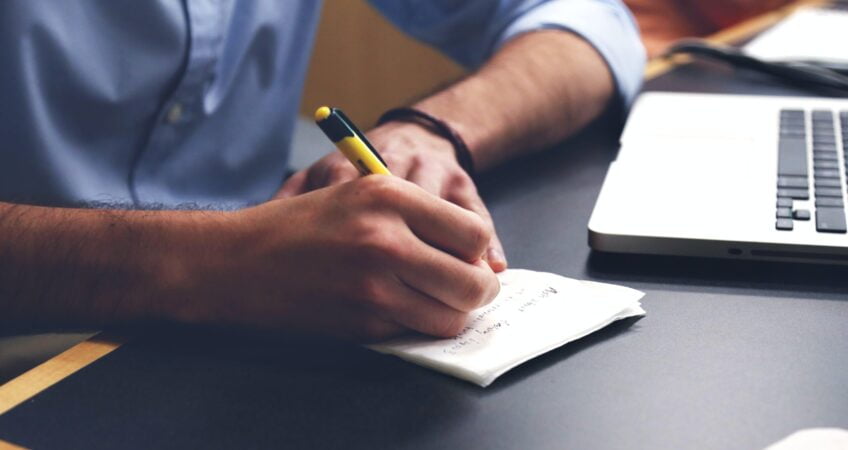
(730,355)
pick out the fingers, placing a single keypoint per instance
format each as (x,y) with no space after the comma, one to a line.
(460,285)
(295,185)
(464,194)
(335,172)
(330,170)
(417,311)
(461,191)
(444,225)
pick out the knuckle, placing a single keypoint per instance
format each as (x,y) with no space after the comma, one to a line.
(451,325)
(475,294)
(393,159)
(482,291)
(382,189)
(371,290)
(378,245)
(461,180)
(337,170)
(481,233)
(495,288)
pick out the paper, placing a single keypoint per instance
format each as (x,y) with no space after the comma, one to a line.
(535,312)
(813,438)
(809,34)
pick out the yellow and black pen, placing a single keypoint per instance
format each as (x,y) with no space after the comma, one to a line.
(350,141)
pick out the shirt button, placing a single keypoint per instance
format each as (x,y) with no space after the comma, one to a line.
(175,113)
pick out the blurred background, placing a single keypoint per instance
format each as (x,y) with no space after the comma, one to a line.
(371,45)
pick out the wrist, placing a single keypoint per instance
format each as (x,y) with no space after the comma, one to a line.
(435,126)
(396,135)
(193,249)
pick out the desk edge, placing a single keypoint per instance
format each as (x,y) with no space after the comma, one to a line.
(31,383)
(5,445)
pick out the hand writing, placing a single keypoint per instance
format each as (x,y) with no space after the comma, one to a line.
(366,260)
(417,155)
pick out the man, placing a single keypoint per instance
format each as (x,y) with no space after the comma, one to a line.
(182,111)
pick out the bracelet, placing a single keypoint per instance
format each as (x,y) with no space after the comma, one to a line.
(436,126)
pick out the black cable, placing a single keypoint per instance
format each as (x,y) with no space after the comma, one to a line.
(802,73)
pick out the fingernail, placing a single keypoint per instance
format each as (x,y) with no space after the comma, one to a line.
(496,259)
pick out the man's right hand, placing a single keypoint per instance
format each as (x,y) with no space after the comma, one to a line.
(366,259)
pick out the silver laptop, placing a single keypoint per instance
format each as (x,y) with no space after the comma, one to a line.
(732,176)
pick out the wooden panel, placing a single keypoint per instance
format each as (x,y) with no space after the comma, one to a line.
(365,66)
(7,446)
(56,369)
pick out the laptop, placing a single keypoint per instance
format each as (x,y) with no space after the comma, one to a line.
(728,176)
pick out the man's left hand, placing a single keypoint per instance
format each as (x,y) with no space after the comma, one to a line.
(413,153)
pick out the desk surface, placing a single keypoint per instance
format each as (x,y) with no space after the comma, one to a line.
(731,355)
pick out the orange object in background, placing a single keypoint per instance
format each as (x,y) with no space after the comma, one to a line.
(665,21)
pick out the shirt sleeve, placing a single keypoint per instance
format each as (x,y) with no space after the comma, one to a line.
(469,31)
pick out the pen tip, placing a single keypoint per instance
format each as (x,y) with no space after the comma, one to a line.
(322,113)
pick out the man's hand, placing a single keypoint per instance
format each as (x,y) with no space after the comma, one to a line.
(413,153)
(366,260)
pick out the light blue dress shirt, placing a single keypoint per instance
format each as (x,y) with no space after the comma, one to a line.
(168,102)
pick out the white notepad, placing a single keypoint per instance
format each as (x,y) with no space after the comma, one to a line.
(535,312)
(809,34)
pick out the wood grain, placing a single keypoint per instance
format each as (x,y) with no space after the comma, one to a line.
(54,370)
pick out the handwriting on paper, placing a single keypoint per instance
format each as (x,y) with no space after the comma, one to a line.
(481,324)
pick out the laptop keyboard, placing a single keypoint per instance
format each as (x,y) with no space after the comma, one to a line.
(825,129)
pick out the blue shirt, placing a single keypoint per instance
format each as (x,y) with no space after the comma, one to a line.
(169,102)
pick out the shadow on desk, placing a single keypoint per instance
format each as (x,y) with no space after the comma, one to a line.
(771,278)
(538,364)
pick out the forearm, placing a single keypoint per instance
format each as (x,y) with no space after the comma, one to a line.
(83,266)
(535,91)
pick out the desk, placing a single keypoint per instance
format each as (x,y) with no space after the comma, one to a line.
(731,355)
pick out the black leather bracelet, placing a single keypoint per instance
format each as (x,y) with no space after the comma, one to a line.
(437,126)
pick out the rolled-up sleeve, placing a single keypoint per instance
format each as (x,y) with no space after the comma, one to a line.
(469,31)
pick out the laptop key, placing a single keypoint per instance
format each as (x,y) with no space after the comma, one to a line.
(824,146)
(801,214)
(784,213)
(792,157)
(784,202)
(784,224)
(828,202)
(820,164)
(831,220)
(792,182)
(829,192)
(797,194)
(793,133)
(828,183)
(826,173)
(829,155)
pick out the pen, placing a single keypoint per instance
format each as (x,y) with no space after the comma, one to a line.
(350,141)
